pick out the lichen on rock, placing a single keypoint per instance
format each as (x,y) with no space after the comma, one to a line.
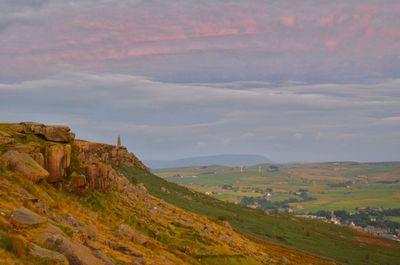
(23,165)
(58,159)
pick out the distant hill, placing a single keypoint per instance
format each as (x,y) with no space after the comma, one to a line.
(223,160)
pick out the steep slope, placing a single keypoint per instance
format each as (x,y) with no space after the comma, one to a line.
(62,201)
(340,243)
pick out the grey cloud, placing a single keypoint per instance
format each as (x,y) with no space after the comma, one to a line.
(170,120)
(208,84)
(18,5)
(19,12)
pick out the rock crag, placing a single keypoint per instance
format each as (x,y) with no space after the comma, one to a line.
(67,201)
(50,152)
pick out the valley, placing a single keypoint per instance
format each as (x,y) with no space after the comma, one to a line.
(363,196)
(332,186)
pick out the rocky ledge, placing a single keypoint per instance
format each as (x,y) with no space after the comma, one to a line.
(37,151)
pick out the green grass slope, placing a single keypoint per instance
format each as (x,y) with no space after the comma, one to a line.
(340,243)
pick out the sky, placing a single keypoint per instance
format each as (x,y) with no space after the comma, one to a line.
(310,80)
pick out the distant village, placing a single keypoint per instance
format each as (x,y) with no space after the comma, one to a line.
(371,220)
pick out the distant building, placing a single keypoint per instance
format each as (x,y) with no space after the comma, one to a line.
(226,187)
(119,141)
(334,219)
(273,168)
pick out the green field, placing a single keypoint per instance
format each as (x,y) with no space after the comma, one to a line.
(369,184)
(393,218)
(339,243)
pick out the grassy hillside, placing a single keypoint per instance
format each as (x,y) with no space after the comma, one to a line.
(342,244)
(92,215)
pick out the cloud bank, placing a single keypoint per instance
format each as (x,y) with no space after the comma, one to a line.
(312,81)
(287,121)
(212,41)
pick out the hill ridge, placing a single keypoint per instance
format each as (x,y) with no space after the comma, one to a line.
(221,159)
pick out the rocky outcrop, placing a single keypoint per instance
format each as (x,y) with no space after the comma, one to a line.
(49,151)
(55,133)
(107,154)
(6,138)
(100,176)
(98,161)
(54,239)
(76,254)
(31,156)
(51,256)
(125,231)
(58,159)
(23,165)
(23,217)
(78,182)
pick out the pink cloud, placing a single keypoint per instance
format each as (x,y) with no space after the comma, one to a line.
(332,20)
(208,29)
(392,34)
(364,15)
(250,25)
(147,51)
(327,21)
(370,33)
(288,21)
(85,37)
(331,44)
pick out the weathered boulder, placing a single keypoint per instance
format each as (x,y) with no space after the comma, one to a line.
(18,128)
(23,148)
(84,233)
(23,217)
(139,238)
(55,133)
(100,176)
(6,138)
(54,239)
(77,182)
(40,234)
(23,165)
(125,231)
(90,231)
(71,220)
(58,159)
(51,256)
(31,127)
(39,158)
(77,254)
(58,134)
